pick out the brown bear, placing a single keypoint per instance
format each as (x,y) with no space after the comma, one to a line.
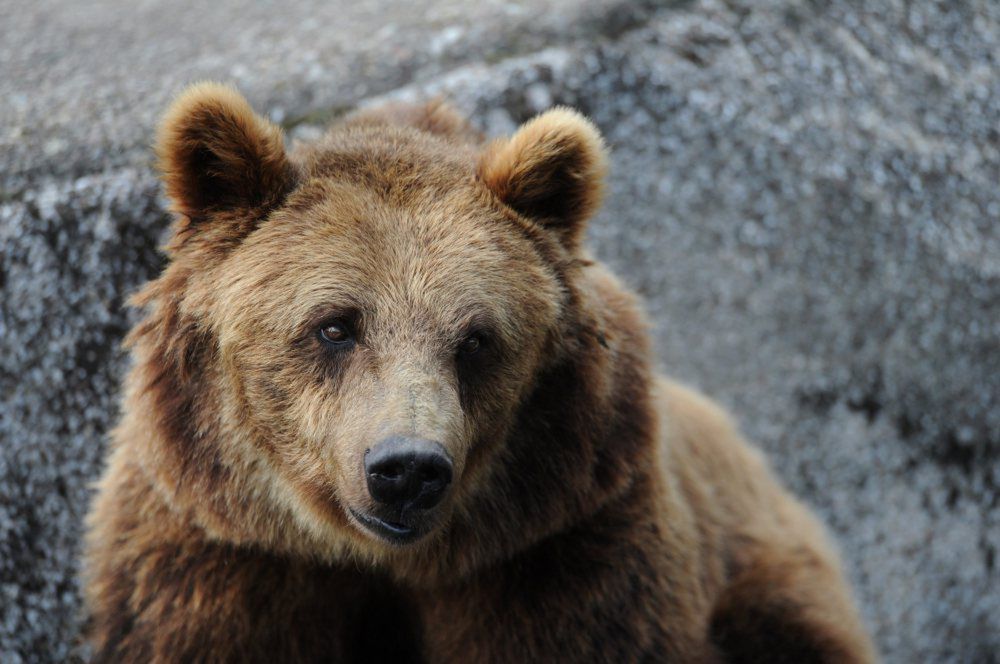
(385,407)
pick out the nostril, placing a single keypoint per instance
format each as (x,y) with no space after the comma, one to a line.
(390,472)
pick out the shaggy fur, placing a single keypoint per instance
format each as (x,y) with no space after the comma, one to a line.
(598,512)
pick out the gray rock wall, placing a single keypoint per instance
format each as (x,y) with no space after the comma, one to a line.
(806,194)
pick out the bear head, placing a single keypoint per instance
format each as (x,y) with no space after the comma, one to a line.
(337,358)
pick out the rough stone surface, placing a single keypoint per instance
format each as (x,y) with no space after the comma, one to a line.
(807,195)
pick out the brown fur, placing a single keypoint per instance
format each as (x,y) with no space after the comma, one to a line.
(598,513)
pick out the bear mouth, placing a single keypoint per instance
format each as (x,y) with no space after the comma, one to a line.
(392,532)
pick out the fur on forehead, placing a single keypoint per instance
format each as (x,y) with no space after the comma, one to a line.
(394,161)
(345,246)
(551,172)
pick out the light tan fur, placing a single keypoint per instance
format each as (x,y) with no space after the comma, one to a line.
(597,513)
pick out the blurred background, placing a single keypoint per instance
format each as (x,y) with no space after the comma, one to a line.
(807,195)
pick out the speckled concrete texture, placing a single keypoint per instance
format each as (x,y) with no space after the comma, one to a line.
(807,195)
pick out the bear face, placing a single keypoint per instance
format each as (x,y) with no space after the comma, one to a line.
(352,341)
(339,348)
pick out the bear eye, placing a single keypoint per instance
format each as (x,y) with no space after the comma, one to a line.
(336,333)
(471,345)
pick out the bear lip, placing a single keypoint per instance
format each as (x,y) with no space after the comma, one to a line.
(394,533)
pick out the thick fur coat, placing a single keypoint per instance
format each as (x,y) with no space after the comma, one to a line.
(401,278)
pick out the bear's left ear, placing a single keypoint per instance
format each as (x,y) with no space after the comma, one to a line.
(551,170)
(217,155)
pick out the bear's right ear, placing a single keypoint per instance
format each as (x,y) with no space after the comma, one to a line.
(217,155)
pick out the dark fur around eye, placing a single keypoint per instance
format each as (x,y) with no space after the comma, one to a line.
(475,358)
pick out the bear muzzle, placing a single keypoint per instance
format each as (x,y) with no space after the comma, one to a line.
(407,478)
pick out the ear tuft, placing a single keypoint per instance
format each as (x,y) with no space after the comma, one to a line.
(217,155)
(551,170)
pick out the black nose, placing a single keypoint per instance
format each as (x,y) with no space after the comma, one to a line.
(407,473)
